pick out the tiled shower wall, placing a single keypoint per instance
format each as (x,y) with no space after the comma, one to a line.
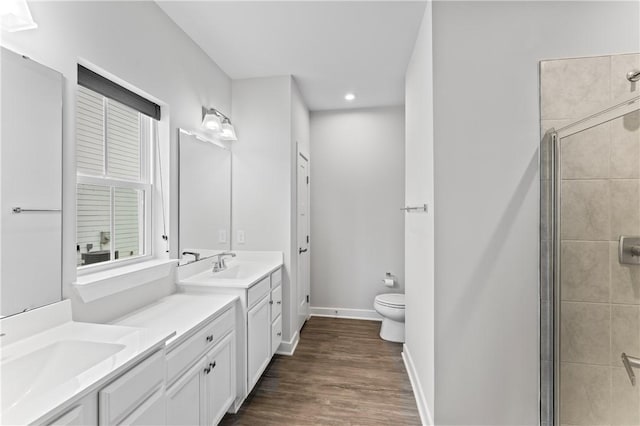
(600,201)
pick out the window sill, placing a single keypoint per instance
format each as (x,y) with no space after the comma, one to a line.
(101,284)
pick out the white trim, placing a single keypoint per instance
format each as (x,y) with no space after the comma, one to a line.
(288,348)
(421,401)
(358,314)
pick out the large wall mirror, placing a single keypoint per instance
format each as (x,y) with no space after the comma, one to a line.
(31,184)
(205,196)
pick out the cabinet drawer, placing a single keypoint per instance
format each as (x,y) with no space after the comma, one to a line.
(74,417)
(258,291)
(181,358)
(151,412)
(276,278)
(276,335)
(127,392)
(276,302)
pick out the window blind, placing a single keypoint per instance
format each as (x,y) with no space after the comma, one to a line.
(97,83)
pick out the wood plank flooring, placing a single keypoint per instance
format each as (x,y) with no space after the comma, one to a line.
(342,373)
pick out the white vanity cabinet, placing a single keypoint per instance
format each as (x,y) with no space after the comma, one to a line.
(258,337)
(259,322)
(136,397)
(276,310)
(200,367)
(203,394)
(82,413)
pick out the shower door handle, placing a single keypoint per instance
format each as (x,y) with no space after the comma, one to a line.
(630,362)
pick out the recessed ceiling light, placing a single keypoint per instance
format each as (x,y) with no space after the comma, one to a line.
(349,96)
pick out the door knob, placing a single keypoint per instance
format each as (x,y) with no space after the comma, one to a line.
(301,250)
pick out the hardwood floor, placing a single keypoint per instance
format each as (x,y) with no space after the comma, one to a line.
(341,373)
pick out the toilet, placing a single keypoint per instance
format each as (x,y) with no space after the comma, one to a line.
(391,307)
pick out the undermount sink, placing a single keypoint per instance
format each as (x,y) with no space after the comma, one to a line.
(239,271)
(44,369)
(244,270)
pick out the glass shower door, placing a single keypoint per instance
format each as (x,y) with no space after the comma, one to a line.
(596,255)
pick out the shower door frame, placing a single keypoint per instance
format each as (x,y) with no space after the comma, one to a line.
(615,110)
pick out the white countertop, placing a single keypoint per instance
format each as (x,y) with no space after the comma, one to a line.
(243,271)
(43,372)
(179,313)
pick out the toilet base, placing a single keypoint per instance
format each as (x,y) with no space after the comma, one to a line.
(392,331)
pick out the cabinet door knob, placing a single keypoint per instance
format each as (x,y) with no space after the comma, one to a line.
(271,302)
(279,302)
(209,338)
(207,370)
(212,364)
(279,333)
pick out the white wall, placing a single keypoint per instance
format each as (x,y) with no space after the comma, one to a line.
(261,176)
(138,43)
(419,266)
(357,190)
(486,192)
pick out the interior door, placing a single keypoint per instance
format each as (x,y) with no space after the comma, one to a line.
(303,239)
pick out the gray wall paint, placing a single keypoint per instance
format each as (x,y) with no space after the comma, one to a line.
(261,173)
(357,188)
(165,63)
(486,192)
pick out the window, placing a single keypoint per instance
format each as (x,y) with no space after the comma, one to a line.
(114,159)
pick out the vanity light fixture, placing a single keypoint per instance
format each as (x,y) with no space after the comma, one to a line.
(349,96)
(211,119)
(16,16)
(227,132)
(219,124)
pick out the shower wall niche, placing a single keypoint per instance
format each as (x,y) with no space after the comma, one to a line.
(592,314)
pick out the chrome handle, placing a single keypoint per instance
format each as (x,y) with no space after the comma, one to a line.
(416,208)
(635,251)
(630,362)
(17,210)
(633,76)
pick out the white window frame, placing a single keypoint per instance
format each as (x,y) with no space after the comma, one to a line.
(145,184)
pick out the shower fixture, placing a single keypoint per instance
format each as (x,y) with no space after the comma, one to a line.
(633,76)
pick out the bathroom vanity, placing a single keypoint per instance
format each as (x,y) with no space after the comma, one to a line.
(200,358)
(255,278)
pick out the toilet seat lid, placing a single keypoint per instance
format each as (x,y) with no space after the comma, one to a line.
(394,300)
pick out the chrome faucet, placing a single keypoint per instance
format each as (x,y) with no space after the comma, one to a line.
(192,253)
(219,265)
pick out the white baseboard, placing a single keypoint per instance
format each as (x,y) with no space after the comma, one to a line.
(421,401)
(360,314)
(288,348)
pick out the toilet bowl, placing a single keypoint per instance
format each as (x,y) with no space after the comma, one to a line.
(391,307)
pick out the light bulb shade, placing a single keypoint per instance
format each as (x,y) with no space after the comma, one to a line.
(16,16)
(227,132)
(211,121)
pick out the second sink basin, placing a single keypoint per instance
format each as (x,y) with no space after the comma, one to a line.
(239,271)
(48,367)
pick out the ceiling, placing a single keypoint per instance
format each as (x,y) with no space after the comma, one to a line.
(330,47)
